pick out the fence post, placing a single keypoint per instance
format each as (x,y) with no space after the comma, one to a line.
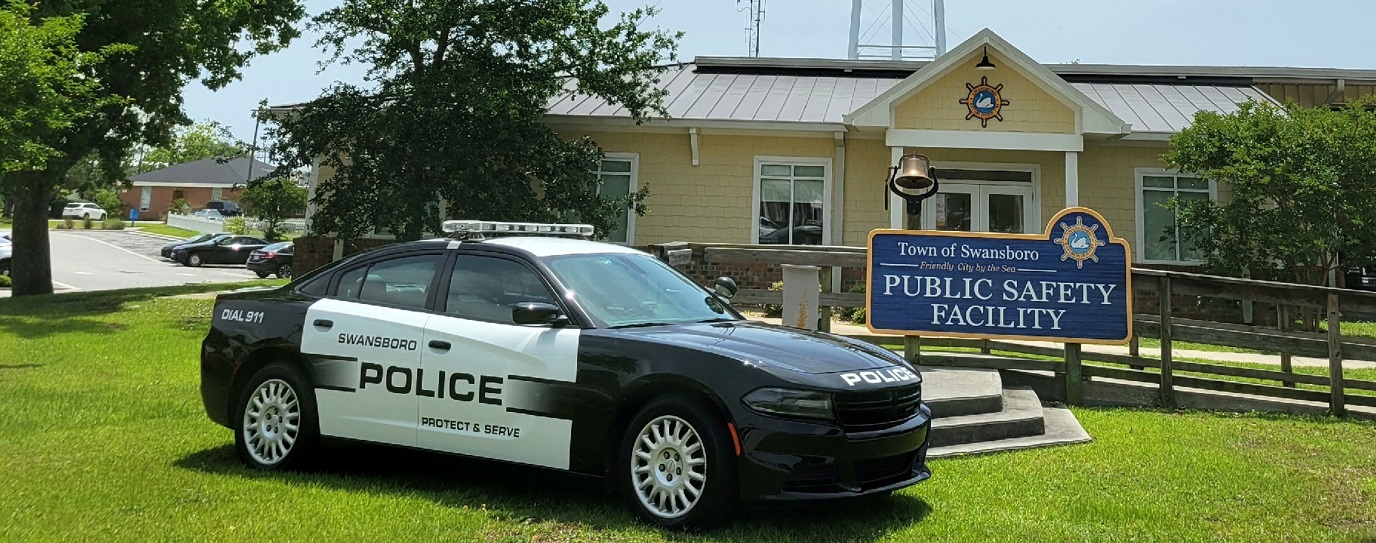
(984,347)
(1335,357)
(1283,322)
(1167,380)
(824,312)
(1074,387)
(912,349)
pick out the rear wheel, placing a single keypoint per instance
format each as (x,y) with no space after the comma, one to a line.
(194,260)
(677,465)
(262,274)
(277,425)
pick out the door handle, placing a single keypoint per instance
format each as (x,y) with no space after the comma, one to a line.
(323,323)
(439,345)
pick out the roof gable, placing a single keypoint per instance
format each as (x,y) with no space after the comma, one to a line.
(1091,117)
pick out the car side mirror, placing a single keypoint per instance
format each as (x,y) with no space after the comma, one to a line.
(538,313)
(726,287)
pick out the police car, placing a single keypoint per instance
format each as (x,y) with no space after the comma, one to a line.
(529,344)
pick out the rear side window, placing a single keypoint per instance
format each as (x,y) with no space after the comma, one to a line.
(403,281)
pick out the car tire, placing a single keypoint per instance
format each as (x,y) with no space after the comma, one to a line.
(284,271)
(276,425)
(5,268)
(194,260)
(262,274)
(677,466)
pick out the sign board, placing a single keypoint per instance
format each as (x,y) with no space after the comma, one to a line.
(1071,284)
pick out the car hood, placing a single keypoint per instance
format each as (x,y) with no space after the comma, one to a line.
(776,346)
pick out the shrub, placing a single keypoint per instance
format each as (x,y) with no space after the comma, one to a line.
(4,281)
(774,311)
(236,225)
(86,223)
(66,224)
(179,206)
(854,314)
(114,224)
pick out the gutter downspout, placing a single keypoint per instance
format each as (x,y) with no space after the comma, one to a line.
(838,214)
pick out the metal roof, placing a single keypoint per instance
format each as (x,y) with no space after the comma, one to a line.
(810,98)
(695,95)
(207,171)
(1167,108)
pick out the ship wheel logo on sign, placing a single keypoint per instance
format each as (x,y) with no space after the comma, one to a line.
(984,101)
(1079,242)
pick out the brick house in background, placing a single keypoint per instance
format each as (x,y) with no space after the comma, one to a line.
(198,182)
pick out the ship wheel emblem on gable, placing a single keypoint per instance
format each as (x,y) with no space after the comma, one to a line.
(1079,242)
(984,101)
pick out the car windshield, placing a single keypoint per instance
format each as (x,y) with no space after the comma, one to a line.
(621,290)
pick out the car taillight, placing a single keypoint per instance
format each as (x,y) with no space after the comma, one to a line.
(270,255)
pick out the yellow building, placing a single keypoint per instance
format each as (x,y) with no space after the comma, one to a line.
(796,150)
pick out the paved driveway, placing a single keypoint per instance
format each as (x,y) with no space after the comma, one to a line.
(101,260)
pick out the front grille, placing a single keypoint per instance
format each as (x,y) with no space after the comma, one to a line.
(813,477)
(862,411)
(877,472)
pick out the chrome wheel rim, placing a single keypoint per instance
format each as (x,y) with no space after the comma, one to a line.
(272,421)
(284,271)
(668,467)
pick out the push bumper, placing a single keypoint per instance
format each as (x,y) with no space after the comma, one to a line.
(794,460)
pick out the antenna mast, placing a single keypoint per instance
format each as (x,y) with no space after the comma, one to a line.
(754,16)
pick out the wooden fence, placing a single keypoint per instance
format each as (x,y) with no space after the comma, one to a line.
(1076,366)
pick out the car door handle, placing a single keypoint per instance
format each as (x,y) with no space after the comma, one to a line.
(324,323)
(439,345)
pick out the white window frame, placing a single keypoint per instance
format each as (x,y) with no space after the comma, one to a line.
(634,159)
(1139,174)
(1033,209)
(827,199)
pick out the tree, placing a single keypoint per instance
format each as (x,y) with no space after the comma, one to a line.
(147,50)
(454,113)
(206,139)
(274,200)
(1301,184)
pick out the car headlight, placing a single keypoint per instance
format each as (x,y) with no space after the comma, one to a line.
(790,403)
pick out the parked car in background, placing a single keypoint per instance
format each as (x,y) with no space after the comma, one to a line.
(5,239)
(219,250)
(210,214)
(274,259)
(83,210)
(6,251)
(226,208)
(167,249)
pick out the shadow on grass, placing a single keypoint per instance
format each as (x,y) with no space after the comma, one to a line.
(29,317)
(520,494)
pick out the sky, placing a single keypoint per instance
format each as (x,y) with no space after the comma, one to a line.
(1310,33)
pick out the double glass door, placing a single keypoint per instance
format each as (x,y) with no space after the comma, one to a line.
(971,207)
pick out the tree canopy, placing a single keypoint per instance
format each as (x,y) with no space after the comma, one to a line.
(205,139)
(1300,188)
(453,112)
(151,49)
(274,200)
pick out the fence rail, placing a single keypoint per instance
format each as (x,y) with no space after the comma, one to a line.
(212,226)
(1076,367)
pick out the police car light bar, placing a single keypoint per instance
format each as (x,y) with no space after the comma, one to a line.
(494,227)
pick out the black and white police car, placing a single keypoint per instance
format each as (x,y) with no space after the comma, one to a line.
(568,354)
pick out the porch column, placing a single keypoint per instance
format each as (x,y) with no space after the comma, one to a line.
(1072,179)
(895,203)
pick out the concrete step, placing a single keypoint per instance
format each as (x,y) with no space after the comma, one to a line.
(961,392)
(1021,416)
(1061,429)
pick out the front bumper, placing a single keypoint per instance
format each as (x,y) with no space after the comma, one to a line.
(797,460)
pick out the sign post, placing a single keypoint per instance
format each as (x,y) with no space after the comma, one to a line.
(1070,284)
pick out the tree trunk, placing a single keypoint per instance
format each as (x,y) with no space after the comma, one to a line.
(31,265)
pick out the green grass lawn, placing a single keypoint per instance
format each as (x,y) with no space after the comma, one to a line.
(105,439)
(163,229)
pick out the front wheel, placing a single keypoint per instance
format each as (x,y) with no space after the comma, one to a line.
(194,260)
(677,464)
(284,271)
(277,425)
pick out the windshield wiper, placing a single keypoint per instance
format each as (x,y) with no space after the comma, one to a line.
(642,324)
(716,319)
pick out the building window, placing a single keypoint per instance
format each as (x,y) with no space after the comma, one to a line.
(792,201)
(1158,238)
(617,179)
